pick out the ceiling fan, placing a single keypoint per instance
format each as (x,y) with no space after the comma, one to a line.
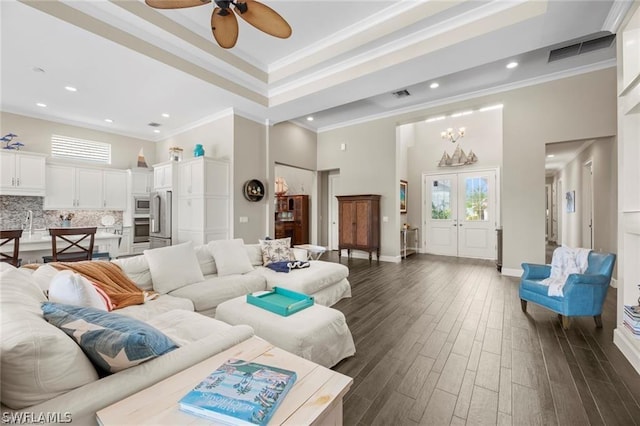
(224,24)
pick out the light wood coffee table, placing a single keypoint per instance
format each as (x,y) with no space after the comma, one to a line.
(316,397)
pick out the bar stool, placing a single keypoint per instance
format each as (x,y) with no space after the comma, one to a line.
(7,237)
(62,255)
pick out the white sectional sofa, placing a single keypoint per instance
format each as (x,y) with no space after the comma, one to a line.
(44,371)
(326,281)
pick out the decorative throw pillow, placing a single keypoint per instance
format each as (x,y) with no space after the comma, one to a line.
(43,276)
(230,256)
(113,342)
(288,265)
(73,289)
(173,267)
(276,250)
(205,259)
(137,269)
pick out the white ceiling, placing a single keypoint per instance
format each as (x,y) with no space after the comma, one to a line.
(131,63)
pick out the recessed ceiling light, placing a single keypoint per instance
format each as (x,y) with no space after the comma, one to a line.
(550,156)
(434,85)
(156,131)
(41,105)
(108,120)
(309,118)
(165,115)
(512,65)
(70,88)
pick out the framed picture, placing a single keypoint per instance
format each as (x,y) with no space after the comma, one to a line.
(403,196)
(571,201)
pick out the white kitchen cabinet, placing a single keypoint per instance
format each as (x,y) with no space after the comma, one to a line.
(71,187)
(163,175)
(115,189)
(126,242)
(141,181)
(204,206)
(22,173)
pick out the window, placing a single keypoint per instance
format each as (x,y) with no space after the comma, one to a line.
(441,199)
(476,199)
(80,149)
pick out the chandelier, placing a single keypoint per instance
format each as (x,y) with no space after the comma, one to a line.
(451,135)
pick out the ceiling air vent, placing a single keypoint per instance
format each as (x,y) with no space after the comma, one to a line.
(401,93)
(152,124)
(582,47)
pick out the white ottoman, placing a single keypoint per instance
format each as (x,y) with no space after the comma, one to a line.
(317,333)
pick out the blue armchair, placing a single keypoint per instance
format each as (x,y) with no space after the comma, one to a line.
(584,294)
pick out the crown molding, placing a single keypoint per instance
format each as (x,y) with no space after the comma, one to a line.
(616,15)
(611,63)
(204,120)
(81,124)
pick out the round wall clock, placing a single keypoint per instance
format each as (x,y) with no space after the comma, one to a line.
(253,190)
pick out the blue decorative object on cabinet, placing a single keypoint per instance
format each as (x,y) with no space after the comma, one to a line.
(198,151)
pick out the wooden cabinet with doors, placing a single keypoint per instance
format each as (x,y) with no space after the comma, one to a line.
(359,227)
(292,218)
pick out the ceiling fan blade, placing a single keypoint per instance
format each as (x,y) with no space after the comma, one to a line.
(224,28)
(175,4)
(264,18)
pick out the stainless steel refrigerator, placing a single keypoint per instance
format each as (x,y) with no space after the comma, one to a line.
(160,219)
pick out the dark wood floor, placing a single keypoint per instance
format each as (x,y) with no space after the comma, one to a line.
(443,341)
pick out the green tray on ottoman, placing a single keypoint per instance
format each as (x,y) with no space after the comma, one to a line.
(281,301)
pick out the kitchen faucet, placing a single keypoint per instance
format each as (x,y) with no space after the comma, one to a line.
(28,221)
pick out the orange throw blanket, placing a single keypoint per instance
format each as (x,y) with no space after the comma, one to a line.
(110,278)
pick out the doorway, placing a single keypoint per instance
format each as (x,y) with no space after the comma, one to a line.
(334,217)
(587,205)
(461,214)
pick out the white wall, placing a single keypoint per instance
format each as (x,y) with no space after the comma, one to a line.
(36,135)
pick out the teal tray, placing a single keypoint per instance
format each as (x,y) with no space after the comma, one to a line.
(281,301)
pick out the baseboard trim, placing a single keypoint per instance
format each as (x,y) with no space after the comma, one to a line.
(511,272)
(365,255)
(627,347)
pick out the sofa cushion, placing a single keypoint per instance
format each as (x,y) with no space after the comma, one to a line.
(276,250)
(216,289)
(184,327)
(43,276)
(173,267)
(205,259)
(137,269)
(309,280)
(70,288)
(158,306)
(37,361)
(230,256)
(254,251)
(113,342)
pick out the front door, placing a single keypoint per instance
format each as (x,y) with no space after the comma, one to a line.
(461,220)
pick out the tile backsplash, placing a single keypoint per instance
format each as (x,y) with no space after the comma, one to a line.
(13,212)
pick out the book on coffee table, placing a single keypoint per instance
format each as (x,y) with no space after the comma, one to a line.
(239,393)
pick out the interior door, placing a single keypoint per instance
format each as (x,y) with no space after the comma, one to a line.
(441,227)
(477,215)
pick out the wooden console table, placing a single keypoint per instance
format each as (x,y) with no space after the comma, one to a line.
(316,397)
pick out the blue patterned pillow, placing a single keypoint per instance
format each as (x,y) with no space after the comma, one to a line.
(113,342)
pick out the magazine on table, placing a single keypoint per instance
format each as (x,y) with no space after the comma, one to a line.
(239,393)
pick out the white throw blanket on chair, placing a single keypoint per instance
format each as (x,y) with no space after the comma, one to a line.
(565,261)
